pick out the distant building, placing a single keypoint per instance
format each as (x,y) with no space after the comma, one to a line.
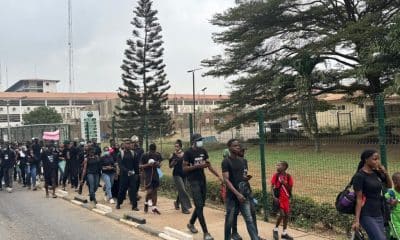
(34,85)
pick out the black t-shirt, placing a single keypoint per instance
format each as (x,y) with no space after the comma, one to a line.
(50,159)
(371,187)
(108,161)
(9,158)
(237,169)
(36,150)
(151,173)
(196,157)
(178,168)
(93,165)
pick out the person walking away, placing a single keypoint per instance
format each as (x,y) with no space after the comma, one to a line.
(50,158)
(175,162)
(128,164)
(234,171)
(195,160)
(393,198)
(281,188)
(10,159)
(150,163)
(108,172)
(92,170)
(368,183)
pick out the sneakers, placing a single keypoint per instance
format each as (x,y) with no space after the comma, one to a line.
(135,209)
(185,211)
(192,228)
(112,201)
(9,190)
(155,211)
(208,236)
(176,205)
(236,236)
(286,237)
(54,195)
(276,235)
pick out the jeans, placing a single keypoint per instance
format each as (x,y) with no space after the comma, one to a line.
(93,182)
(232,205)
(108,179)
(374,227)
(8,174)
(199,190)
(30,171)
(183,196)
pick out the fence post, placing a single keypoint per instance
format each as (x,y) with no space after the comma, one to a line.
(380,104)
(190,127)
(261,131)
(113,128)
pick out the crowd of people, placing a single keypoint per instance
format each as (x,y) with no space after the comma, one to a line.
(126,167)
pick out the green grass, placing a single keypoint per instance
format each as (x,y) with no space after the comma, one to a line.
(320,176)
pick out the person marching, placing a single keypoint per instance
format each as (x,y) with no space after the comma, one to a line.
(281,188)
(195,160)
(150,163)
(175,162)
(128,164)
(92,170)
(108,172)
(234,170)
(50,158)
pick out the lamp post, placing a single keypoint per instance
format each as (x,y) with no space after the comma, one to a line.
(204,106)
(194,97)
(8,121)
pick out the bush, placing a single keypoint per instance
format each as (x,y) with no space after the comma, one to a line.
(305,213)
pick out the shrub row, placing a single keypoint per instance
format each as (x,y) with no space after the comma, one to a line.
(305,212)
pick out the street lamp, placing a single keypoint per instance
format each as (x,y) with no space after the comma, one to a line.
(8,121)
(203,108)
(194,97)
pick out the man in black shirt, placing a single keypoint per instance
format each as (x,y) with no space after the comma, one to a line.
(234,171)
(195,160)
(50,159)
(9,160)
(128,163)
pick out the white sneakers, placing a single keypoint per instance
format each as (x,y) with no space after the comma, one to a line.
(9,189)
(112,201)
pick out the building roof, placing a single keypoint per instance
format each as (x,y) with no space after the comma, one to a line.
(96,96)
(21,82)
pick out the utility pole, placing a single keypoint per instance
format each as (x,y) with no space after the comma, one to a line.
(70,56)
(194,97)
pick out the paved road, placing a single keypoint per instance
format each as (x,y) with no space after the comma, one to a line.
(29,215)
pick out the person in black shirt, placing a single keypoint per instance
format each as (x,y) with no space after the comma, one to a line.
(234,170)
(150,163)
(108,172)
(368,184)
(50,158)
(92,171)
(175,162)
(195,160)
(129,175)
(9,161)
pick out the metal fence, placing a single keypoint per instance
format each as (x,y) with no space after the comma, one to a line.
(27,132)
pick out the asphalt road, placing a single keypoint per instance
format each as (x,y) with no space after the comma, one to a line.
(26,215)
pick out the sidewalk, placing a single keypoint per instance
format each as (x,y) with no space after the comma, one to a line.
(175,219)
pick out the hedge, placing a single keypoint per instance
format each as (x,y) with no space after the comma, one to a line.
(305,212)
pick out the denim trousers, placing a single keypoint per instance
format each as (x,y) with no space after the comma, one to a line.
(93,182)
(232,207)
(374,227)
(183,196)
(108,179)
(30,172)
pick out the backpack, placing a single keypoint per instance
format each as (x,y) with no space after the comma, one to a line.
(346,200)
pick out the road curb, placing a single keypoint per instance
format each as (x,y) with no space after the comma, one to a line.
(175,233)
(113,216)
(134,218)
(99,211)
(166,237)
(104,208)
(130,223)
(148,229)
(81,199)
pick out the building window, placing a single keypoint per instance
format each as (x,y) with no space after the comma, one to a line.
(28,108)
(1,109)
(47,84)
(14,109)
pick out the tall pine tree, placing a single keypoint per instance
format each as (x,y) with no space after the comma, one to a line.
(144,93)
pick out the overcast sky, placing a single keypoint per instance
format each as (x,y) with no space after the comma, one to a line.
(33,41)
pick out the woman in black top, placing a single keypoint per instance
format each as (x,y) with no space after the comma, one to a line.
(368,184)
(175,162)
(92,170)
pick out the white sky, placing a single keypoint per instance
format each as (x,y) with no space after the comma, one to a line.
(33,41)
